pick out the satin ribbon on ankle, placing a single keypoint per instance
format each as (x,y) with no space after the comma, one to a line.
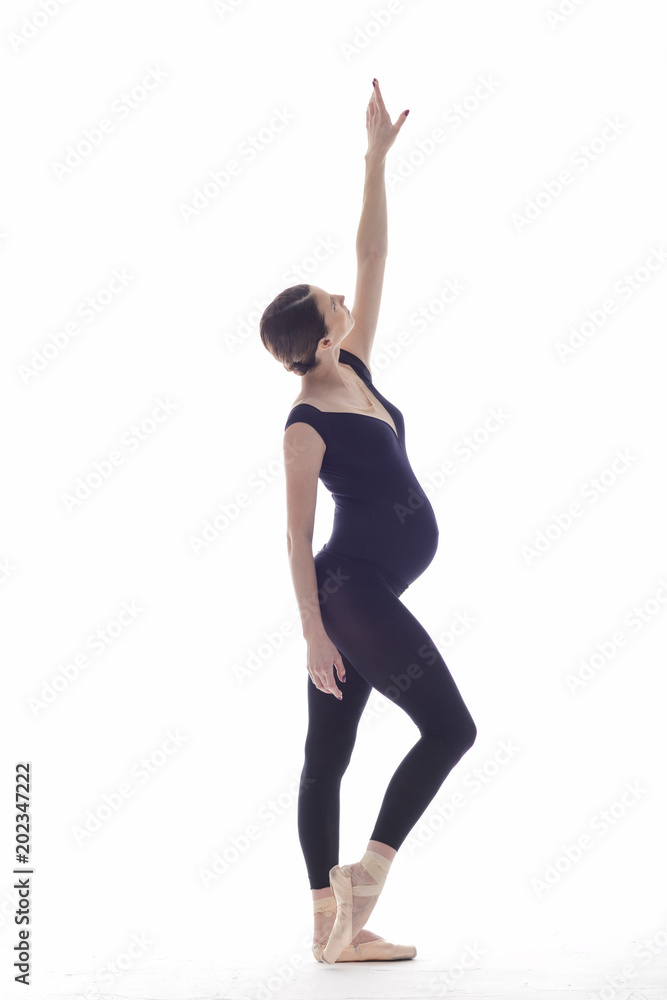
(324,905)
(376,865)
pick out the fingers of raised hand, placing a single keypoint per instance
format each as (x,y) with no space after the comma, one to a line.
(377,93)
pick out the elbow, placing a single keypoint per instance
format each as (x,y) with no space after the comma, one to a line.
(296,539)
(378,251)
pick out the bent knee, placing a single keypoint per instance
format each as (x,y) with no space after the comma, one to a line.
(456,735)
(464,736)
(469,734)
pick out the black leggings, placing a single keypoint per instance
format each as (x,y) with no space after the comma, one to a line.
(383,646)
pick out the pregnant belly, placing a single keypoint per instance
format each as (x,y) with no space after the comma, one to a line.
(401,539)
(406,540)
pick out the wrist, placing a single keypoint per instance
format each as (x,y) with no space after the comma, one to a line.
(374,160)
(313,633)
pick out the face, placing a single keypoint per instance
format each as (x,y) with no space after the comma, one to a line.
(337,316)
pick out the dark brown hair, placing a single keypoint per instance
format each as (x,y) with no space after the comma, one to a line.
(291,328)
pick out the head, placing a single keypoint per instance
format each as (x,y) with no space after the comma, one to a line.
(303,325)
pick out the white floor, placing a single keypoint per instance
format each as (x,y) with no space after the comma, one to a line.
(545,976)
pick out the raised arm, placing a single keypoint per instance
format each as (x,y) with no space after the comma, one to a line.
(372,242)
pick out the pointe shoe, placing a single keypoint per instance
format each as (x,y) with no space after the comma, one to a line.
(377,951)
(341,883)
(368,951)
(327,904)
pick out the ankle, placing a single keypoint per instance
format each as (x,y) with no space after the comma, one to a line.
(381,848)
(377,864)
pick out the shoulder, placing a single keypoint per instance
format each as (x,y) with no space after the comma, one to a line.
(304,400)
(305,413)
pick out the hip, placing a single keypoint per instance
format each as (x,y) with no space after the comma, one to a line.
(334,566)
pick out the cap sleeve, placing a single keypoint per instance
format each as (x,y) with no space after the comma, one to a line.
(304,413)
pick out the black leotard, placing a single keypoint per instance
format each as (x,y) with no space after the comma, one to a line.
(382,513)
(384,536)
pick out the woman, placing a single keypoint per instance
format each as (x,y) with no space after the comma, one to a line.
(343,431)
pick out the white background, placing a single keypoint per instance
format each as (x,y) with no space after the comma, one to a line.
(199,658)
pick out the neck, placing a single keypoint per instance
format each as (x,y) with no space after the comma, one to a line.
(327,375)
